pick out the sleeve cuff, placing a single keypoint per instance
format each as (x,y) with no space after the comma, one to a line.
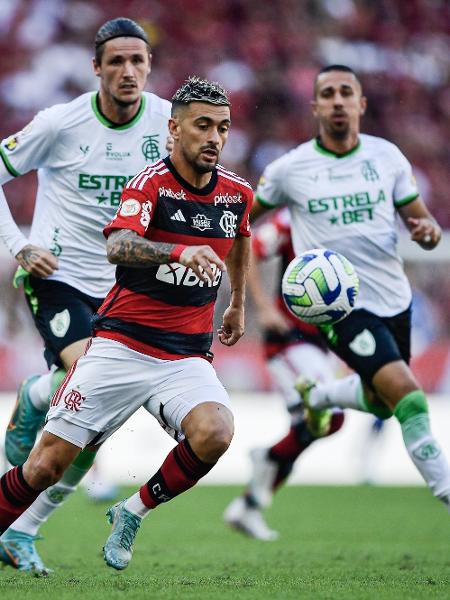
(176,252)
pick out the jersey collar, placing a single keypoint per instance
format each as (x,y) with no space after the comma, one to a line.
(204,191)
(321,148)
(107,123)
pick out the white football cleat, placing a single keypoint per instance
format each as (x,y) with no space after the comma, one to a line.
(249,521)
(264,472)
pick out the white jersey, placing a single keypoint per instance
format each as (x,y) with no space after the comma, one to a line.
(348,204)
(83,162)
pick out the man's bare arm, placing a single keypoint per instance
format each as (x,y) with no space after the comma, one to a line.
(128,249)
(232,328)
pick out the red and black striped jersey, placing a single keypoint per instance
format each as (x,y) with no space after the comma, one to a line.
(273,238)
(165,310)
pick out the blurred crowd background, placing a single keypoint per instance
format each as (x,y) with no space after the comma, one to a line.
(266,54)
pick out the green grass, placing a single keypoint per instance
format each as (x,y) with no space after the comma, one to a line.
(336,543)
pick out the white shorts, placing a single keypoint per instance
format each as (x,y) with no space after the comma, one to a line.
(299,359)
(110,382)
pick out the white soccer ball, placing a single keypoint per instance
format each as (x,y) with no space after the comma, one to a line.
(320,286)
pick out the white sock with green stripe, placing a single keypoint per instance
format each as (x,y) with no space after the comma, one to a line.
(53,497)
(423,449)
(42,389)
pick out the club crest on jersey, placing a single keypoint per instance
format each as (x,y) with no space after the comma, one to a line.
(73,400)
(201,222)
(130,208)
(60,323)
(368,171)
(363,344)
(150,147)
(177,274)
(228,222)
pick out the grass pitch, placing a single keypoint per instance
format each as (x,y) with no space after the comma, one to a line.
(336,543)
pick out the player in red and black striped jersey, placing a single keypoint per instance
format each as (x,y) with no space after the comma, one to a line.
(180,224)
(166,310)
(293,348)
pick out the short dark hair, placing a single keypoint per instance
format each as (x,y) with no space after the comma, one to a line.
(195,89)
(330,68)
(120,27)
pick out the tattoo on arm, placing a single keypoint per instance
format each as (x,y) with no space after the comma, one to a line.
(128,249)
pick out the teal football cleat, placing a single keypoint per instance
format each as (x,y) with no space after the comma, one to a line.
(18,551)
(24,425)
(317,420)
(118,549)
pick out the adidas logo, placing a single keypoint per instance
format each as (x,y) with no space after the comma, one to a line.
(178,216)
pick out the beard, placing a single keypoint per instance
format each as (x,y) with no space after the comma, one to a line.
(202,167)
(338,132)
(198,164)
(125,103)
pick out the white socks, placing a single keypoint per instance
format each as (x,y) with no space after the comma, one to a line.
(344,393)
(39,391)
(135,505)
(53,497)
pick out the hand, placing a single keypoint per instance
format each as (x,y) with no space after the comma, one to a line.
(232,326)
(201,260)
(272,319)
(37,261)
(425,232)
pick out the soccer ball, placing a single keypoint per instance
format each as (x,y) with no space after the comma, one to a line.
(320,286)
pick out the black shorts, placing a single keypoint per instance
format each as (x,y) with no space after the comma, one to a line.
(367,342)
(61,313)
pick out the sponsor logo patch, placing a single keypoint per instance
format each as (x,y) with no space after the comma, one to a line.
(168,193)
(130,208)
(201,222)
(363,344)
(177,274)
(178,216)
(60,323)
(146,213)
(111,154)
(228,199)
(12,143)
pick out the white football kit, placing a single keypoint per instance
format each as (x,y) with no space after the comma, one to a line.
(348,204)
(83,162)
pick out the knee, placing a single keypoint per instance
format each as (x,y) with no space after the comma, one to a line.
(43,469)
(212,439)
(40,473)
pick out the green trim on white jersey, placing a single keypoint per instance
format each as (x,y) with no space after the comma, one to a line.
(11,170)
(107,123)
(264,202)
(319,148)
(406,200)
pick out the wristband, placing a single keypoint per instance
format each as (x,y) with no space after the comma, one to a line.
(176,252)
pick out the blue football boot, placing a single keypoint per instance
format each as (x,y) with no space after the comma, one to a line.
(118,548)
(18,551)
